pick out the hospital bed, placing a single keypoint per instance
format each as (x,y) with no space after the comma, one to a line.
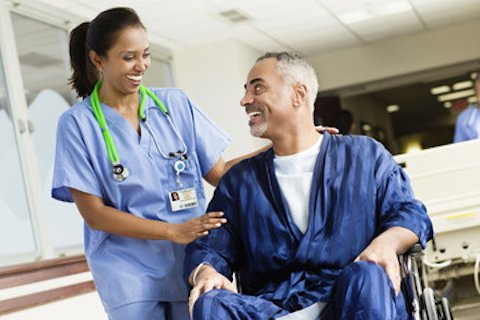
(447,180)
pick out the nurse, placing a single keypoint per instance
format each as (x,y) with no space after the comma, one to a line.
(132,159)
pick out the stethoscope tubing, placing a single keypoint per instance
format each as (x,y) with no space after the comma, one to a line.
(120,173)
(171,155)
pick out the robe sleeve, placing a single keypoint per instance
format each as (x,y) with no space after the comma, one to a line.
(222,246)
(397,204)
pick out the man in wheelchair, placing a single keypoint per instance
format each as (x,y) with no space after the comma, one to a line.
(315,224)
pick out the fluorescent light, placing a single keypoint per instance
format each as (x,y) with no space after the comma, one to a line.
(440,90)
(456,95)
(366,127)
(393,7)
(472,100)
(413,146)
(374,10)
(355,16)
(393,108)
(462,85)
(447,105)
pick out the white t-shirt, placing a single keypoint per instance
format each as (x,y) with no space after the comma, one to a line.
(294,174)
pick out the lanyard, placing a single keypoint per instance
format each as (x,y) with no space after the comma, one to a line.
(120,173)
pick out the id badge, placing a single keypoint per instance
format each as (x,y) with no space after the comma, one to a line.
(183,199)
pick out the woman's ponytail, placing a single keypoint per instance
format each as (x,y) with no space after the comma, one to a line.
(84,74)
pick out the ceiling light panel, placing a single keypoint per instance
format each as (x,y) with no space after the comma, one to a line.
(462,85)
(393,108)
(174,27)
(249,3)
(366,14)
(376,20)
(387,27)
(440,90)
(282,10)
(438,13)
(310,27)
(301,25)
(472,100)
(344,6)
(456,95)
(174,9)
(355,11)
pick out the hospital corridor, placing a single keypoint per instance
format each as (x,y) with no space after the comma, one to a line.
(118,120)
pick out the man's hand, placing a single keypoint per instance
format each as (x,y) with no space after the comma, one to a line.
(385,257)
(384,251)
(207,278)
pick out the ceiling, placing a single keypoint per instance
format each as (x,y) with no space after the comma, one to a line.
(306,26)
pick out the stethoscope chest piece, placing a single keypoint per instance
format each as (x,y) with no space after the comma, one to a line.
(179,166)
(120,173)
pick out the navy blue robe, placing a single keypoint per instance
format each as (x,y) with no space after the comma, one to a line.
(358,191)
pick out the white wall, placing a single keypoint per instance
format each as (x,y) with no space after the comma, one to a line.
(399,56)
(213,77)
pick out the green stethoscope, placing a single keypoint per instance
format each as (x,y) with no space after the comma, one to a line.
(120,173)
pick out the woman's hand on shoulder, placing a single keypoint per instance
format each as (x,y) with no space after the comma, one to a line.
(330,130)
(195,228)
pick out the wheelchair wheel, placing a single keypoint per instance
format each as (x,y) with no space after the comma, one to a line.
(447,314)
(429,303)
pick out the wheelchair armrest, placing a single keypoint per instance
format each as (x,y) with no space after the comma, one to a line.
(416,248)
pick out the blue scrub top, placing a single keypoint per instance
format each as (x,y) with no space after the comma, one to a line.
(125,269)
(467,126)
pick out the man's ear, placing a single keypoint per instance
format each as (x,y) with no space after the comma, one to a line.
(300,97)
(96,59)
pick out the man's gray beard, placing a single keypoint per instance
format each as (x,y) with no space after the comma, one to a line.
(258,130)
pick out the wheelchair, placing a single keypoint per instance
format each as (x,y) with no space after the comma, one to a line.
(421,300)
(422,303)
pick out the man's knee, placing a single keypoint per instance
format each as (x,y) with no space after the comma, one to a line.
(210,303)
(223,305)
(364,274)
(363,291)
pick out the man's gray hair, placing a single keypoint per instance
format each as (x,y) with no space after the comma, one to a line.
(297,69)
